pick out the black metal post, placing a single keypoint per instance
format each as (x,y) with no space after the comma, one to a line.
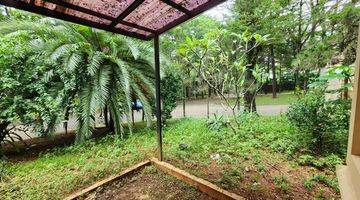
(158,97)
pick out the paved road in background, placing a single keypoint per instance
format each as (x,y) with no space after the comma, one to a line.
(196,109)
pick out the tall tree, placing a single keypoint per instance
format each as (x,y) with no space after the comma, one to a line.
(255,17)
(273,70)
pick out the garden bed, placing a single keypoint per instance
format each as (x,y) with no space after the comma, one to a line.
(147,184)
(159,181)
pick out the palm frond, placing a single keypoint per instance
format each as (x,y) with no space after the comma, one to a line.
(94,63)
(87,110)
(60,51)
(73,62)
(102,83)
(123,78)
(71,30)
(146,81)
(115,113)
(133,48)
(40,29)
(48,75)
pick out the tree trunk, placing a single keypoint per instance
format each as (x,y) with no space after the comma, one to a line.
(208,104)
(267,77)
(237,98)
(279,86)
(306,77)
(184,101)
(106,116)
(250,104)
(132,117)
(7,11)
(297,77)
(111,124)
(346,91)
(250,80)
(273,69)
(299,43)
(66,119)
(250,92)
(3,134)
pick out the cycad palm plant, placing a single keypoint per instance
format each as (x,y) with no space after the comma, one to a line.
(91,70)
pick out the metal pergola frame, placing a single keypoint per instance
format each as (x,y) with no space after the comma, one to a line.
(120,19)
(158,98)
(154,34)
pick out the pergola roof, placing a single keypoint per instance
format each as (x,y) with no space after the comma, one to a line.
(142,19)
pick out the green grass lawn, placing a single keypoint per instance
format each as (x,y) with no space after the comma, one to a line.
(259,160)
(285,98)
(282,99)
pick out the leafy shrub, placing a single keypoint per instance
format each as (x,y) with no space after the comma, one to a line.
(322,179)
(341,72)
(306,159)
(217,123)
(247,117)
(281,182)
(330,161)
(326,122)
(170,93)
(25,97)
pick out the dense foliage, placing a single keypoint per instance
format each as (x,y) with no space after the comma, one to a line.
(326,122)
(25,97)
(171,92)
(335,74)
(80,71)
(302,37)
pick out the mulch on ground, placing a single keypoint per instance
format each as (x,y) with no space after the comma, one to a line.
(148,184)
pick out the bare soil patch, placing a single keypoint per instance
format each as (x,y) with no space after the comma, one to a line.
(148,184)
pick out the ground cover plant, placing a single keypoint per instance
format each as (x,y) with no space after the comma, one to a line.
(263,160)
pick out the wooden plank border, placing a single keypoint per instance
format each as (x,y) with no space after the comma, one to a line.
(200,184)
(111,179)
